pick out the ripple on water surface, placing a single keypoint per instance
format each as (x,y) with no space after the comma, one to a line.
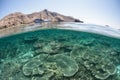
(55,54)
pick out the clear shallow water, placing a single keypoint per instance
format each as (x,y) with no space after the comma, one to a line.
(55,54)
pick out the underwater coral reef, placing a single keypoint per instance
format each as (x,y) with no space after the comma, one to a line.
(54,54)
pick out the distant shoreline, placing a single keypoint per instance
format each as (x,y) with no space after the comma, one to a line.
(18,18)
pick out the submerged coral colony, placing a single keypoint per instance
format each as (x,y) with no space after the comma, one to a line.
(55,54)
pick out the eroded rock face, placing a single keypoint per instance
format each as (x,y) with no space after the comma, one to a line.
(16,19)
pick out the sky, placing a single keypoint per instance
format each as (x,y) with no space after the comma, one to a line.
(101,12)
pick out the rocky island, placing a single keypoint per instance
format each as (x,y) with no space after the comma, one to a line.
(18,18)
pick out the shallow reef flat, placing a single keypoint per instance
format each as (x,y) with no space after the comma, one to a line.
(55,54)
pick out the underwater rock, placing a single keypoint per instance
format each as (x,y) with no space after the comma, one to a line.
(100,67)
(102,76)
(68,66)
(35,66)
(88,42)
(110,68)
(38,45)
(78,51)
(38,48)
(54,72)
(39,68)
(66,47)
(30,39)
(9,69)
(60,64)
(47,76)
(49,48)
(118,69)
(83,74)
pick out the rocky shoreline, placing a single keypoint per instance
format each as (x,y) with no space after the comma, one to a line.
(18,18)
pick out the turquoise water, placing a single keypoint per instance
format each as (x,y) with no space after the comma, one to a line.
(55,54)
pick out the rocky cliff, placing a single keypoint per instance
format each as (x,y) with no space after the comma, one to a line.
(18,18)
